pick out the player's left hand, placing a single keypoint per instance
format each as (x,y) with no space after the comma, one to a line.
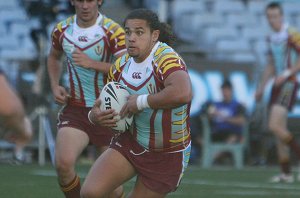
(81,58)
(130,107)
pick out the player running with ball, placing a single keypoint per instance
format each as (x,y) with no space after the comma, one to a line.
(157,147)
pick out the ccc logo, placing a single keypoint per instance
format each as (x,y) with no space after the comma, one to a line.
(136,75)
(83,39)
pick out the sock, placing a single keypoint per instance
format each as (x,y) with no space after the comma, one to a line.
(285,167)
(294,146)
(72,190)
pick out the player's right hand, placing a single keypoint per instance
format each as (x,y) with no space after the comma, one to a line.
(61,96)
(105,118)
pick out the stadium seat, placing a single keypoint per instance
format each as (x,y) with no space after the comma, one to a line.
(19,29)
(229,6)
(239,20)
(201,20)
(232,45)
(208,36)
(10,16)
(260,48)
(3,28)
(210,149)
(180,13)
(254,33)
(256,7)
(237,50)
(206,19)
(291,8)
(9,42)
(185,6)
(242,57)
(10,4)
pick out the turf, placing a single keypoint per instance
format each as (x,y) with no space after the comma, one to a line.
(33,181)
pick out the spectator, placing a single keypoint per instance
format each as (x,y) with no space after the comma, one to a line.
(227,117)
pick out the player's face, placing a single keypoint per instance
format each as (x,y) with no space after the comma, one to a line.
(86,11)
(275,18)
(139,39)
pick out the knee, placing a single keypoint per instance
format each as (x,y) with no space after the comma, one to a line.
(64,165)
(273,127)
(13,109)
(89,192)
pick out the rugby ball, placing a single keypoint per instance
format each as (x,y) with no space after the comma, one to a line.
(114,96)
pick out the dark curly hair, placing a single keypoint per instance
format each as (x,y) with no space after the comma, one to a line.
(166,34)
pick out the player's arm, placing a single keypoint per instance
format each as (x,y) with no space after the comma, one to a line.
(290,71)
(54,71)
(268,73)
(177,92)
(294,42)
(84,60)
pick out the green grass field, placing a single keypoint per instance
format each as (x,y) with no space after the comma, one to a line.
(33,181)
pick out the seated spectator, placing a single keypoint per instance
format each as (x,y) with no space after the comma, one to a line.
(227,117)
(17,126)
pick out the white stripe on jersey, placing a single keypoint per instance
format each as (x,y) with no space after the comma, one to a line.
(139,72)
(83,37)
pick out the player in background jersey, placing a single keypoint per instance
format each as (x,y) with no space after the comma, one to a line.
(13,119)
(284,64)
(90,42)
(157,147)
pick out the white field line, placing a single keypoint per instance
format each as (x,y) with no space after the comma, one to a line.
(248,185)
(241,184)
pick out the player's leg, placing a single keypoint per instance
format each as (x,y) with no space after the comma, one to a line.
(70,143)
(140,190)
(109,171)
(278,122)
(283,152)
(278,125)
(12,114)
(119,191)
(159,173)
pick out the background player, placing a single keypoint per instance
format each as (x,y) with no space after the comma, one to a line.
(157,148)
(89,41)
(284,63)
(13,118)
